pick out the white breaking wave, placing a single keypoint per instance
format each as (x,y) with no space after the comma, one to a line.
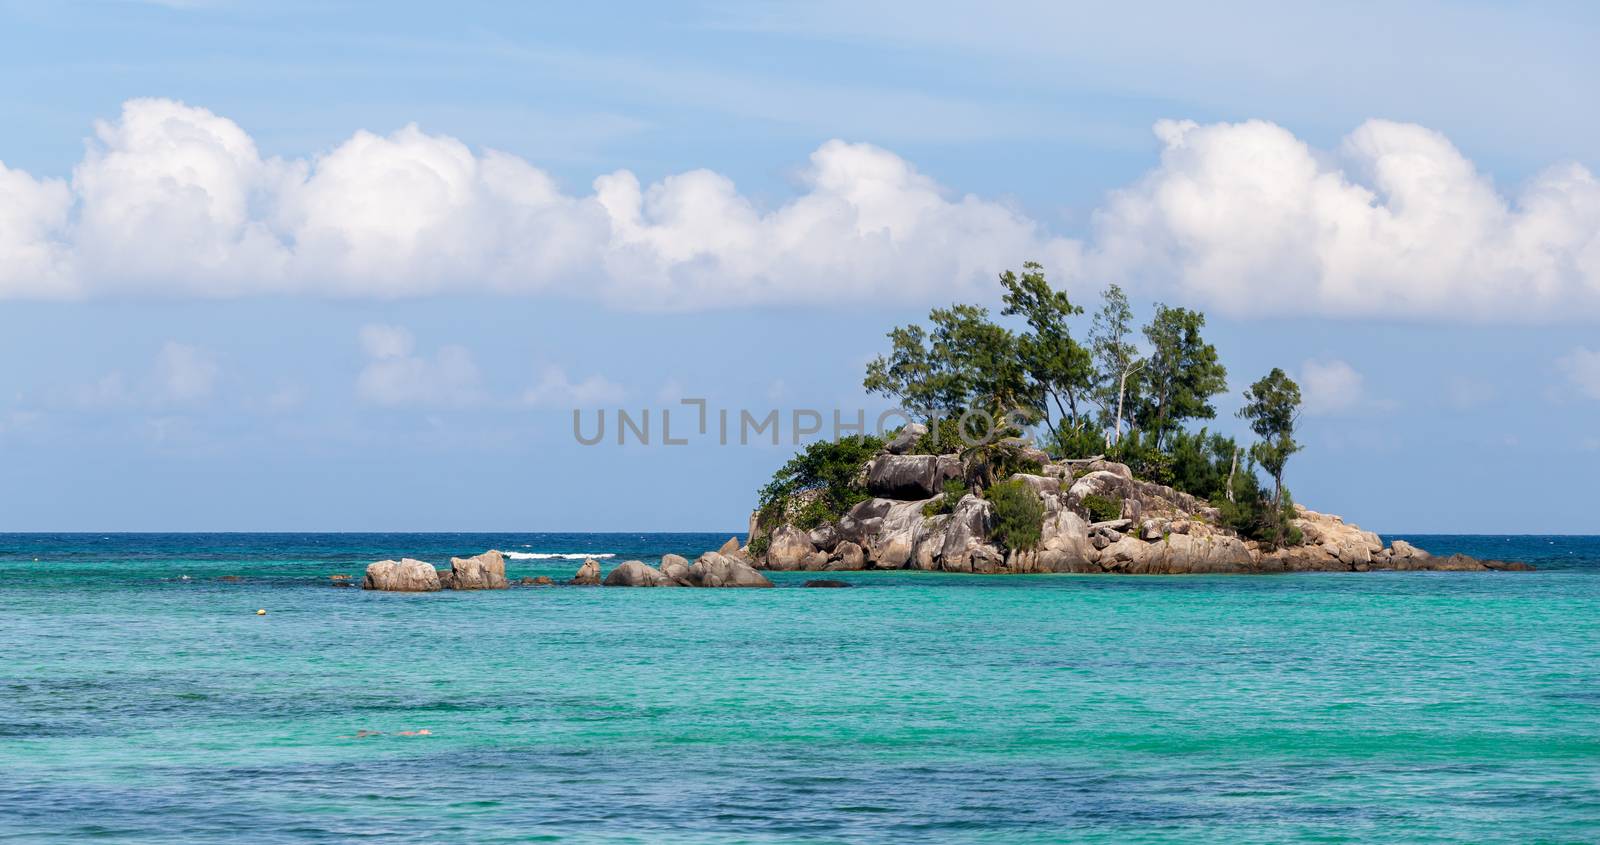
(556,555)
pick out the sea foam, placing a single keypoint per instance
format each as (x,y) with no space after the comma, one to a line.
(557,555)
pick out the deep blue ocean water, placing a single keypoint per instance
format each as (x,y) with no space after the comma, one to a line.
(137,706)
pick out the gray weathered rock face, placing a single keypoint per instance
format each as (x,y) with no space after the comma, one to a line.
(911,476)
(479,572)
(676,567)
(1100,483)
(714,569)
(1403,550)
(906,439)
(730,547)
(401,576)
(788,548)
(966,532)
(588,574)
(635,573)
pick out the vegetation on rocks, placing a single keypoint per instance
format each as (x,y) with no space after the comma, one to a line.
(1115,392)
(954,489)
(1102,508)
(819,484)
(1018,515)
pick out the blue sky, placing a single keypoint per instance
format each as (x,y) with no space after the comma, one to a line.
(316,266)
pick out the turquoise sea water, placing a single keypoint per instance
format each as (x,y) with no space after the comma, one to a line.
(1392,707)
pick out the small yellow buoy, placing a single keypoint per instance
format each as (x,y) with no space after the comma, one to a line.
(261,612)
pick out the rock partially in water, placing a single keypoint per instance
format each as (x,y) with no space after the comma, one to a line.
(635,573)
(714,569)
(401,576)
(541,581)
(676,567)
(340,580)
(479,572)
(588,574)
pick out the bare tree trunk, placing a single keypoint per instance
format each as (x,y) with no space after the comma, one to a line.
(1277,510)
(1122,390)
(1231,471)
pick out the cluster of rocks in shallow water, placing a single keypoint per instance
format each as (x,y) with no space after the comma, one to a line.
(729,566)
(479,572)
(1159,530)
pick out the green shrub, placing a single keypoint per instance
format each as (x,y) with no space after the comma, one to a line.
(1250,513)
(819,484)
(1103,508)
(758,546)
(1018,515)
(946,503)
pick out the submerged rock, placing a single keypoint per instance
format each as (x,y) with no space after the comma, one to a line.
(825,583)
(401,576)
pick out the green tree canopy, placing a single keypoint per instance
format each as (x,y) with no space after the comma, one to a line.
(1061,369)
(1182,375)
(965,361)
(1272,405)
(1116,359)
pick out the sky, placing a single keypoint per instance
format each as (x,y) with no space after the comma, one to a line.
(336,266)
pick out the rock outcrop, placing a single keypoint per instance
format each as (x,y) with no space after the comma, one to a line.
(479,572)
(911,476)
(676,567)
(588,574)
(1156,530)
(636,573)
(401,576)
(716,569)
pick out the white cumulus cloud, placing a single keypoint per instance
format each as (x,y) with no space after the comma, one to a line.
(173,200)
(395,376)
(1396,222)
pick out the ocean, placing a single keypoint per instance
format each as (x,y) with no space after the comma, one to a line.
(137,706)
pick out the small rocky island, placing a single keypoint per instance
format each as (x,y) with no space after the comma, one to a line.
(1155,530)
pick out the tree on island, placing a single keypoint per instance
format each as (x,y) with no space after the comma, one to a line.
(966,361)
(1115,357)
(1040,374)
(1062,369)
(1272,405)
(1182,376)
